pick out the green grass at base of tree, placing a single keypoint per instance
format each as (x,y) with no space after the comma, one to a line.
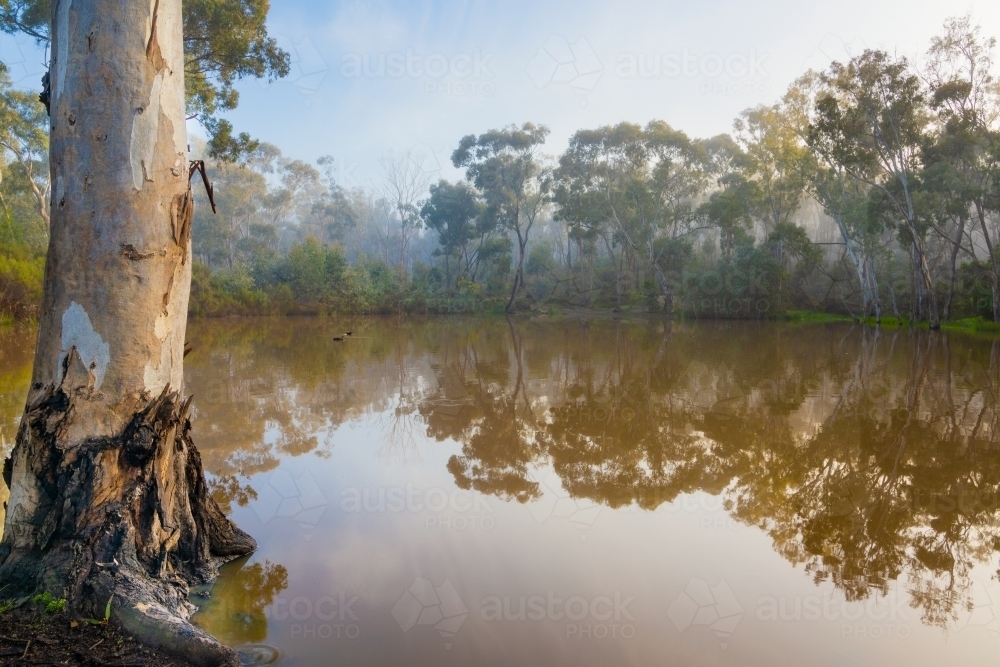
(976,325)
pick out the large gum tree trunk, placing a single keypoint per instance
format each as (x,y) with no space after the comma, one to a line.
(107,494)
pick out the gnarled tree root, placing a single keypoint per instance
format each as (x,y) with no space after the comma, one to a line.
(126,518)
(142,616)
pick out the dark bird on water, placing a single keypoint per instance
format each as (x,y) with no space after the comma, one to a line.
(338,338)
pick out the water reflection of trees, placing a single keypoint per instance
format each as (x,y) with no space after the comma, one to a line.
(866,456)
(902,477)
(269,388)
(495,419)
(16,347)
(266,389)
(234,612)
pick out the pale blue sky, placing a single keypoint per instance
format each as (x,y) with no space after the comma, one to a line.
(360,85)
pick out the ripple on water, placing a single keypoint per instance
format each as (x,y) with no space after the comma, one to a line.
(259,654)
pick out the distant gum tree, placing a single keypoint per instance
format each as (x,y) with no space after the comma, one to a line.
(505,167)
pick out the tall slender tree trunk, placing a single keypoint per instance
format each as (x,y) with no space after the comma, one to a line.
(995,292)
(108,499)
(859,261)
(618,272)
(954,267)
(447,271)
(994,270)
(519,273)
(928,295)
(873,275)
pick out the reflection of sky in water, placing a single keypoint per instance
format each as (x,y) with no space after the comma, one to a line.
(686,497)
(368,548)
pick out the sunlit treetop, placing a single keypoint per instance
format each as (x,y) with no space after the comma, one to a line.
(224,41)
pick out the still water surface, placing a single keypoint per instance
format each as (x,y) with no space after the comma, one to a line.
(475,492)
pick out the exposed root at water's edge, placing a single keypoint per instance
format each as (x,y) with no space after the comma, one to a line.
(127,519)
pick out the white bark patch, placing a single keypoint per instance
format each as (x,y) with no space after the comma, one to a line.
(78,332)
(161,327)
(62,45)
(145,127)
(60,191)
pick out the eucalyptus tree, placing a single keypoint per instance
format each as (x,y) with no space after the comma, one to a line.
(505,167)
(844,197)
(300,186)
(333,214)
(772,158)
(24,137)
(962,157)
(584,207)
(454,212)
(240,193)
(871,119)
(640,180)
(108,499)
(730,207)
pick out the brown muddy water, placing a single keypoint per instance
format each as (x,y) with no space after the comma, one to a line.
(476,492)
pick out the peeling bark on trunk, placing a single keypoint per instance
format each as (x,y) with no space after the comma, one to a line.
(108,499)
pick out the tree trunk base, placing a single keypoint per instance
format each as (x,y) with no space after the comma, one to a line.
(126,519)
